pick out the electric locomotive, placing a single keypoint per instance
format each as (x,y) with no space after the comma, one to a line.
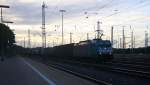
(97,48)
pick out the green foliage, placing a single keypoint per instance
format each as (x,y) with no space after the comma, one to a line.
(7,37)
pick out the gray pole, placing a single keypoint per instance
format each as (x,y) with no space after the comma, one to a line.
(62,11)
(134,44)
(29,39)
(70,37)
(123,36)
(43,26)
(24,43)
(99,32)
(1,15)
(112,28)
(146,39)
(98,29)
(53,43)
(87,36)
(120,43)
(132,39)
(62,29)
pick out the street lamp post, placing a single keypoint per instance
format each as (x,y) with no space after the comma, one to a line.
(3,6)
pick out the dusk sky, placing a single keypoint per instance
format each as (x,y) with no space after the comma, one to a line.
(80,18)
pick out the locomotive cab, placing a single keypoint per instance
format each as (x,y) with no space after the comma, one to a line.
(103,48)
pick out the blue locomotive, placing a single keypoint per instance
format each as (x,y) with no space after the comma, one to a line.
(96,48)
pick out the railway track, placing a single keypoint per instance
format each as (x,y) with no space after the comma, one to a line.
(131,66)
(141,61)
(115,71)
(129,69)
(100,74)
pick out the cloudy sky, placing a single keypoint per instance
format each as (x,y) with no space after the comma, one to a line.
(80,18)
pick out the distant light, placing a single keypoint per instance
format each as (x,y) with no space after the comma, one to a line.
(4,6)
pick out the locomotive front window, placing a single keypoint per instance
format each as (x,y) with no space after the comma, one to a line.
(104,44)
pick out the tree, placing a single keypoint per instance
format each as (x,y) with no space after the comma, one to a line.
(7,38)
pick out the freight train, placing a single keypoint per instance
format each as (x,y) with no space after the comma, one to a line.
(96,48)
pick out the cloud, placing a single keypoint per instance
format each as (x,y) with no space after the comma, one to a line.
(26,1)
(26,13)
(29,11)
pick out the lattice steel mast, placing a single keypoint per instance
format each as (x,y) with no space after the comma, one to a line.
(43,26)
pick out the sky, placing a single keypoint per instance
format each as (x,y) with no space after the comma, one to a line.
(80,18)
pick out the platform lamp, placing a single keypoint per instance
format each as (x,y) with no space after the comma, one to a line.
(1,7)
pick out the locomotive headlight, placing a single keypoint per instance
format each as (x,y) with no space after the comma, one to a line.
(99,51)
(105,50)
